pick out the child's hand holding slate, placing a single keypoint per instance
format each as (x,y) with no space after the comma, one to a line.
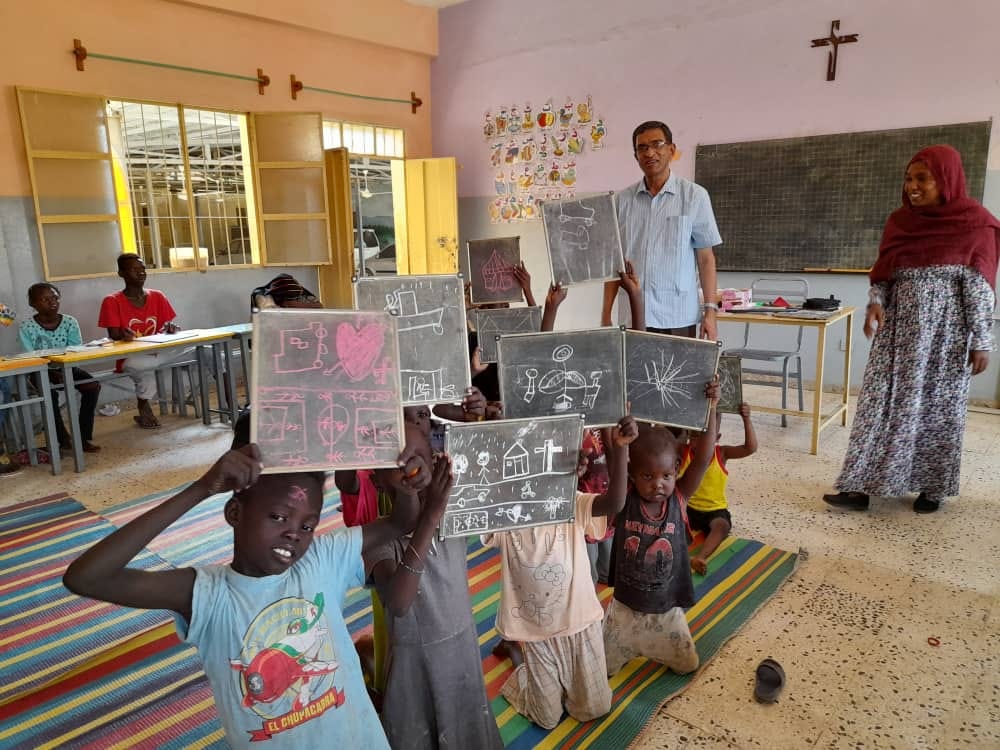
(236,470)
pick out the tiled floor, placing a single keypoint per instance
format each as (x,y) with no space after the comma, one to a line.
(851,627)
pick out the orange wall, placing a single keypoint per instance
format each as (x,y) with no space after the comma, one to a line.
(38,39)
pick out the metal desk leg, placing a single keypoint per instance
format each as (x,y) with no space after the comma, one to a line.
(232,401)
(245,361)
(206,414)
(847,367)
(74,416)
(220,390)
(55,461)
(21,381)
(818,393)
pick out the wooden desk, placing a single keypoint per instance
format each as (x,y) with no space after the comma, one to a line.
(121,350)
(20,369)
(820,421)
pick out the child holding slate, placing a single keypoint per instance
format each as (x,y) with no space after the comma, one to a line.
(649,568)
(549,606)
(268,626)
(435,696)
(708,509)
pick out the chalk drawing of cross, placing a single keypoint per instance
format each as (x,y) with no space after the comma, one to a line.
(833,41)
(549,449)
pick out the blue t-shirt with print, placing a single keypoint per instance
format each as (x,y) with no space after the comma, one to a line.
(277,652)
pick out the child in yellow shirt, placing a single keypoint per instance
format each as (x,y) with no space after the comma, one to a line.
(708,508)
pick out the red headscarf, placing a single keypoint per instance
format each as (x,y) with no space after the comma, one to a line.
(959,231)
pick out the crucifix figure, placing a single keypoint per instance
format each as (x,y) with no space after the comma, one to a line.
(833,41)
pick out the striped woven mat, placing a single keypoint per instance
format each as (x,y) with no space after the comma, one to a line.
(149,692)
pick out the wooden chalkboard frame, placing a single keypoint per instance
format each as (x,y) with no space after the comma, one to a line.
(446,528)
(514,293)
(702,424)
(619,252)
(730,367)
(488,341)
(256,384)
(462,357)
(501,370)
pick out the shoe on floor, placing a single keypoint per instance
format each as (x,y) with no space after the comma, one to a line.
(849,500)
(923,505)
(8,466)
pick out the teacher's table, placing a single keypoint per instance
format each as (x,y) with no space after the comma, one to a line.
(20,370)
(820,421)
(121,350)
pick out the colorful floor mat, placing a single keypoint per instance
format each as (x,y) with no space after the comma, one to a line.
(149,691)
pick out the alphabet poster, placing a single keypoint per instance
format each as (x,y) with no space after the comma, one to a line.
(325,390)
(511,473)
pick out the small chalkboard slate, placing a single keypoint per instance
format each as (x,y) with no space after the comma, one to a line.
(500,322)
(430,316)
(511,474)
(730,384)
(563,372)
(325,390)
(583,239)
(491,263)
(666,376)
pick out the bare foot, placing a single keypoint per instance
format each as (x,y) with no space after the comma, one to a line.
(509,650)
(146,419)
(699,566)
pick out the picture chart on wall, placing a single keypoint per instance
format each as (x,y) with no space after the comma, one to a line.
(325,390)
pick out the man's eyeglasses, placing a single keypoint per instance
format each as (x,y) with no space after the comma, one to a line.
(643,148)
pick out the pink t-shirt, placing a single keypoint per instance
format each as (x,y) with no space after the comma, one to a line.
(118,312)
(545,584)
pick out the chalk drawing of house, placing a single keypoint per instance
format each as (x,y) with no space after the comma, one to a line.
(515,462)
(497,275)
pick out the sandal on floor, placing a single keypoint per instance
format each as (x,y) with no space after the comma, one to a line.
(769,681)
(849,500)
(924,505)
(145,424)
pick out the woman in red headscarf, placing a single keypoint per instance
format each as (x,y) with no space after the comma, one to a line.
(930,312)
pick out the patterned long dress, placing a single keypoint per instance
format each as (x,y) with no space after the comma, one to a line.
(908,429)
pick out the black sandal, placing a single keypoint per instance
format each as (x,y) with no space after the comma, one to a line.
(849,500)
(925,505)
(769,681)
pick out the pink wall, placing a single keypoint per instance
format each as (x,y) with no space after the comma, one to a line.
(39,37)
(714,70)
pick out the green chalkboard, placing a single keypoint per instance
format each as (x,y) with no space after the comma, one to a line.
(820,202)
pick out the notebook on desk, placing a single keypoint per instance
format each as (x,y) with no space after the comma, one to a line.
(164,338)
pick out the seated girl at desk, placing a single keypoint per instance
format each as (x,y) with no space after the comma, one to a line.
(51,329)
(135,312)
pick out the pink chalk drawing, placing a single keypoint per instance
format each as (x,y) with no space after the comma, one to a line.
(374,427)
(281,423)
(498,275)
(332,424)
(358,348)
(301,349)
(365,454)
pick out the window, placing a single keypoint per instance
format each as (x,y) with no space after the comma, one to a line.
(363,140)
(185,185)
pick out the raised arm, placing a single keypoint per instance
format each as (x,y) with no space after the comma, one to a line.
(630,283)
(472,408)
(101,571)
(610,292)
(555,297)
(412,476)
(523,279)
(399,582)
(617,439)
(749,446)
(702,448)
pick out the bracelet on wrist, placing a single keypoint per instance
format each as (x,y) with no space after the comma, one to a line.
(415,572)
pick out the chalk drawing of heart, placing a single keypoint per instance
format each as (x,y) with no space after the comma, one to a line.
(357,348)
(143,328)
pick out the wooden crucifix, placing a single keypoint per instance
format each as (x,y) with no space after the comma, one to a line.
(833,41)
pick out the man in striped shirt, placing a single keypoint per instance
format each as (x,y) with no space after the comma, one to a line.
(668,231)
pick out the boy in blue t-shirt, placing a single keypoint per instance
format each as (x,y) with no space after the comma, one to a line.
(268,626)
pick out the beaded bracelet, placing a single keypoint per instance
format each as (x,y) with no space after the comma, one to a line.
(412,570)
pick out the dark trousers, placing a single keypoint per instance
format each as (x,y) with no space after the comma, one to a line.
(89,393)
(690,331)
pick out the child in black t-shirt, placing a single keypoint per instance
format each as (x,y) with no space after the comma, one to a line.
(650,569)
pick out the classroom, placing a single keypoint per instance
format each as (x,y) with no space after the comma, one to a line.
(230,145)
